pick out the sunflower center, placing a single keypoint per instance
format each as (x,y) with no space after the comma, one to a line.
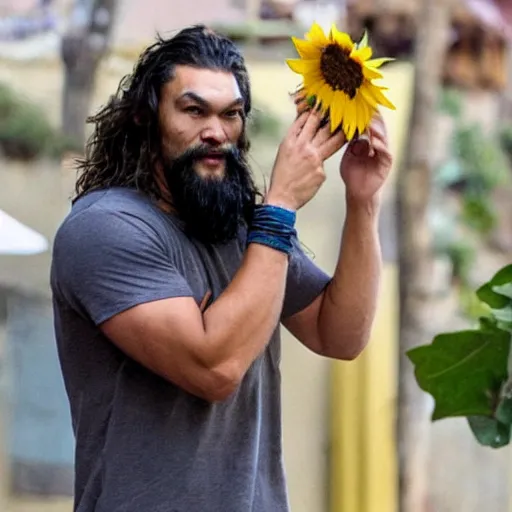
(340,71)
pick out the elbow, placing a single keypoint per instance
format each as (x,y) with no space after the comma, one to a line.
(221,382)
(345,348)
(353,353)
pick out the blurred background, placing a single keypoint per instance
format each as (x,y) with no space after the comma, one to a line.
(357,435)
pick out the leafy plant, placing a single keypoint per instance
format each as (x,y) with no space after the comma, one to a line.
(25,131)
(478,166)
(483,162)
(506,140)
(467,372)
(450,101)
(461,255)
(478,213)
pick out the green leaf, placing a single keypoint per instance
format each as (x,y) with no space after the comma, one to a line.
(497,293)
(504,289)
(503,276)
(504,411)
(489,431)
(495,300)
(504,314)
(487,323)
(463,371)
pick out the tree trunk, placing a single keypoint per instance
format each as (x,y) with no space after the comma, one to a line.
(82,49)
(415,260)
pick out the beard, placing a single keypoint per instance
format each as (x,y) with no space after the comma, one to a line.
(211,208)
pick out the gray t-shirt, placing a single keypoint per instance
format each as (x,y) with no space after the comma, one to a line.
(142,443)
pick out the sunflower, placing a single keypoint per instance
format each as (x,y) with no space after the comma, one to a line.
(337,76)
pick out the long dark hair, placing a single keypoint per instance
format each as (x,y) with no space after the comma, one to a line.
(125,144)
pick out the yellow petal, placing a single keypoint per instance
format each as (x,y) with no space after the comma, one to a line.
(302,66)
(337,109)
(377,63)
(365,113)
(313,87)
(370,73)
(345,127)
(362,54)
(343,39)
(381,98)
(360,112)
(364,91)
(314,76)
(316,35)
(351,119)
(306,49)
(325,96)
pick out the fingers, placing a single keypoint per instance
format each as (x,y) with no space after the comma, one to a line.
(298,125)
(332,145)
(378,129)
(381,150)
(311,126)
(322,134)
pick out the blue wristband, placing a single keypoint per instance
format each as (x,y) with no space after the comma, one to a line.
(273,226)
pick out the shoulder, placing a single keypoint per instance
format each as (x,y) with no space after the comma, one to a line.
(107,215)
(115,202)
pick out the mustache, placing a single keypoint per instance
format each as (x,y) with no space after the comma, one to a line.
(204,150)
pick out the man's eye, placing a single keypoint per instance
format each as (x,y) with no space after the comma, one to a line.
(194,110)
(233,113)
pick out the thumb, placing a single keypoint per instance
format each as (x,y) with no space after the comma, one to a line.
(360,148)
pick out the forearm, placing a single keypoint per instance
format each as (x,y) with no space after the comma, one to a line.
(239,324)
(350,301)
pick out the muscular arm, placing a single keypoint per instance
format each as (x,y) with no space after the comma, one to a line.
(208,354)
(338,323)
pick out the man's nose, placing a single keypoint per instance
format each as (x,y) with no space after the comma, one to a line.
(213,132)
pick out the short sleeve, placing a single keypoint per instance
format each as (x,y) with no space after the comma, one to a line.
(105,262)
(305,281)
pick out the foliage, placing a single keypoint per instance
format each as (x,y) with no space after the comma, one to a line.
(450,102)
(484,163)
(467,372)
(476,166)
(462,256)
(506,140)
(483,168)
(25,131)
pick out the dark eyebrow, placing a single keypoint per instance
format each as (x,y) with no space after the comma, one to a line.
(201,101)
(194,97)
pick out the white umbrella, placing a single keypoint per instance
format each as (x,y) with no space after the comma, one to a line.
(16,238)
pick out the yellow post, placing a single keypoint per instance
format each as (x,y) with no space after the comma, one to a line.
(346,438)
(363,446)
(379,411)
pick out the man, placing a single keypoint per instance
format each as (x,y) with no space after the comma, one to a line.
(170,279)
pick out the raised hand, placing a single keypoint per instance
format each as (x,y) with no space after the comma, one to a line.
(366,165)
(298,171)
